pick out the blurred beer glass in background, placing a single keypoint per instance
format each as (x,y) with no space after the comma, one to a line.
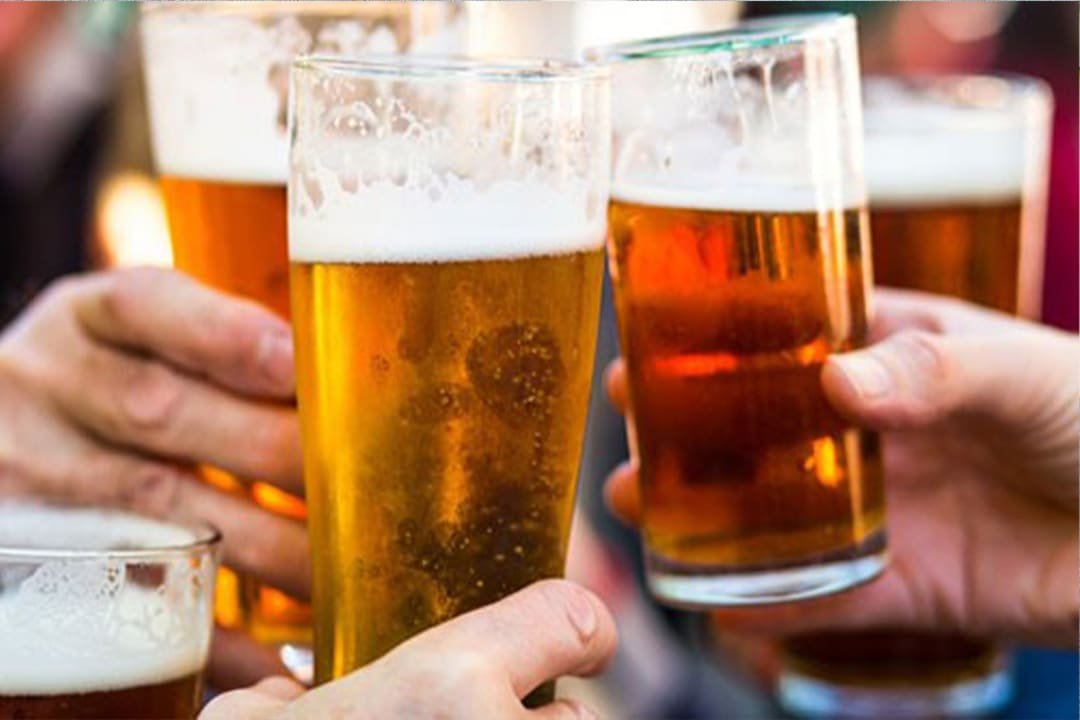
(739,254)
(446,230)
(957,169)
(217,83)
(102,614)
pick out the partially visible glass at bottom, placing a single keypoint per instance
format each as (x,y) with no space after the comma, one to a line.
(904,673)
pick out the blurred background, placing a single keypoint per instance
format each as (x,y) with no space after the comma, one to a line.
(77,192)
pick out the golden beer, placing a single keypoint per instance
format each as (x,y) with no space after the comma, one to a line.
(103,614)
(446,233)
(217,81)
(956,170)
(444,406)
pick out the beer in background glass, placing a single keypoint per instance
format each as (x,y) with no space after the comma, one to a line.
(956,169)
(217,82)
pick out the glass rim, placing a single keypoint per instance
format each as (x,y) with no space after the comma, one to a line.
(1017,84)
(207,538)
(263,8)
(759,33)
(450,68)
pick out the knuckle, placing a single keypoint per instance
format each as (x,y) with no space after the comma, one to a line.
(562,602)
(152,491)
(272,445)
(149,399)
(126,291)
(924,371)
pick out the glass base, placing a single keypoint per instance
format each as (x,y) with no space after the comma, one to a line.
(299,661)
(809,697)
(700,588)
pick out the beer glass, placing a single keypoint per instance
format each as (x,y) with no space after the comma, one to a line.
(446,231)
(217,79)
(103,614)
(738,247)
(957,168)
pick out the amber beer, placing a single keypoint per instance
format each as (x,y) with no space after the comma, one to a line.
(217,82)
(964,247)
(725,322)
(231,236)
(738,246)
(956,169)
(102,614)
(110,700)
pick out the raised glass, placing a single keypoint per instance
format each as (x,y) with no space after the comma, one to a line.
(446,232)
(739,250)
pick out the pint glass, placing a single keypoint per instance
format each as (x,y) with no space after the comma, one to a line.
(738,248)
(102,614)
(217,80)
(957,171)
(446,231)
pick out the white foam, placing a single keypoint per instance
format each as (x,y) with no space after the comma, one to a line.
(215,113)
(384,222)
(76,657)
(745,197)
(923,149)
(939,167)
(216,82)
(80,625)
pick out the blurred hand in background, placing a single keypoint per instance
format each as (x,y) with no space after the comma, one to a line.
(115,386)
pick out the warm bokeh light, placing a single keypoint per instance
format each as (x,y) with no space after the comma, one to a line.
(130,224)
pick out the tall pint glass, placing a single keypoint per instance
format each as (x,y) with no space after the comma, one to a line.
(446,231)
(217,81)
(957,169)
(739,250)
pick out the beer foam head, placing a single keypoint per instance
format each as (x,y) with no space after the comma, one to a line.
(447,160)
(217,75)
(73,624)
(743,197)
(387,223)
(951,161)
(951,140)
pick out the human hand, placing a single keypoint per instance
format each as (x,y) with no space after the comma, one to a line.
(115,386)
(979,414)
(476,666)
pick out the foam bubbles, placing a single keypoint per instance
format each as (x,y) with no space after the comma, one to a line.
(942,166)
(81,624)
(743,197)
(384,222)
(78,657)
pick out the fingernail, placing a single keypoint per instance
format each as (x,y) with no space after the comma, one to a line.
(276,356)
(868,375)
(582,615)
